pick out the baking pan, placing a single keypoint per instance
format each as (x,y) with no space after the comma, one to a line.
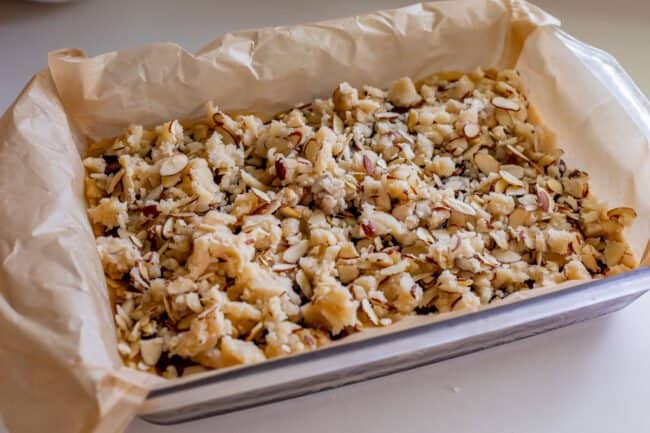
(338,365)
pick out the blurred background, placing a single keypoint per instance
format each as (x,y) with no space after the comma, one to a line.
(29,30)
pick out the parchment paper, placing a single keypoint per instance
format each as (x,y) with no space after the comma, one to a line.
(60,368)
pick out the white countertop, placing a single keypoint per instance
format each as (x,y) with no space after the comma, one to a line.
(592,377)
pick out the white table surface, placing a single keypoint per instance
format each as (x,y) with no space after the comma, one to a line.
(592,377)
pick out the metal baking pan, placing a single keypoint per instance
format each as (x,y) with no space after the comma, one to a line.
(336,366)
(344,364)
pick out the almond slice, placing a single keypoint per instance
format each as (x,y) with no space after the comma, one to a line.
(505,104)
(486,163)
(544,200)
(488,259)
(459,206)
(261,195)
(137,278)
(471,130)
(424,235)
(370,312)
(518,217)
(397,268)
(386,115)
(251,181)
(515,170)
(168,228)
(135,241)
(554,185)
(173,164)
(368,165)
(303,283)
(290,212)
(142,269)
(500,186)
(151,350)
(283,267)
(296,251)
(295,137)
(114,181)
(506,256)
(508,177)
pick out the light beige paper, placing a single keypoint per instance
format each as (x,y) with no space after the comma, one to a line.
(60,368)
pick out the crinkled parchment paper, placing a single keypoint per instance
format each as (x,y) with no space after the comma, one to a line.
(60,368)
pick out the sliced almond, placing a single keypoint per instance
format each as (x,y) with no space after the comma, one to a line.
(251,181)
(168,228)
(457,146)
(295,137)
(519,154)
(506,256)
(397,268)
(623,215)
(500,238)
(193,301)
(516,190)
(370,312)
(518,217)
(505,104)
(486,163)
(268,208)
(261,195)
(255,332)
(515,170)
(303,283)
(386,115)
(135,241)
(137,279)
(151,350)
(424,235)
(488,259)
(459,206)
(368,165)
(296,251)
(144,272)
(406,136)
(508,177)
(504,88)
(284,267)
(173,164)
(544,200)
(554,185)
(471,130)
(114,181)
(500,186)
(289,212)
(311,150)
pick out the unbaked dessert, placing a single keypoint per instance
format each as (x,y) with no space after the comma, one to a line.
(237,238)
